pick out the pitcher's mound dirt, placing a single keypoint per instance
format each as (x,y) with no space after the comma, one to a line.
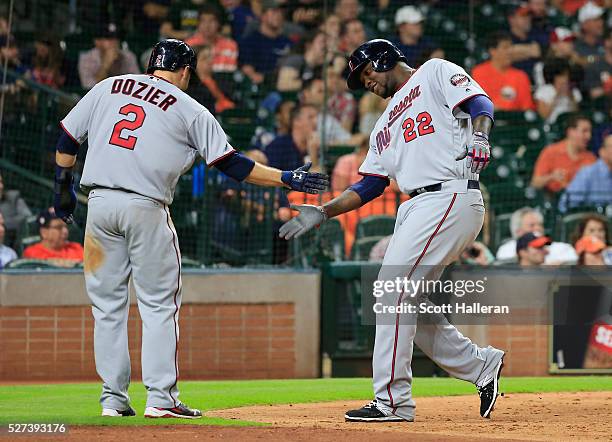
(550,417)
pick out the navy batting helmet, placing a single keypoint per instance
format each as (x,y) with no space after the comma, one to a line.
(382,53)
(170,55)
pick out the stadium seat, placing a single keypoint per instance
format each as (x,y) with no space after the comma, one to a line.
(375,225)
(501,229)
(31,264)
(362,247)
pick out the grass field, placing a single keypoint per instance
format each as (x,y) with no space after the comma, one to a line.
(78,403)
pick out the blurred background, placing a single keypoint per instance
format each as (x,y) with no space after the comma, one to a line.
(273,73)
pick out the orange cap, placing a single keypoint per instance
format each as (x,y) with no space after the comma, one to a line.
(589,244)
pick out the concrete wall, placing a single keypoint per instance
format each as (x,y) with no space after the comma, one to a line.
(234,324)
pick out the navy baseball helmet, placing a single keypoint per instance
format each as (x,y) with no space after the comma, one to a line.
(170,55)
(382,53)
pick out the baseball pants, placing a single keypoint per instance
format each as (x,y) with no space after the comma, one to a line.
(130,234)
(431,231)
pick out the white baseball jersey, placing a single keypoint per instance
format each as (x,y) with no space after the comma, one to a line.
(144,133)
(423,129)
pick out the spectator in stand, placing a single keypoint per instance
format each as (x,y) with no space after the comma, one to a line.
(558,95)
(410,39)
(352,35)
(526,49)
(211,92)
(592,185)
(532,249)
(508,87)
(303,65)
(314,94)
(47,62)
(590,251)
(561,46)
(224,50)
(341,104)
(148,18)
(106,58)
(261,50)
(527,220)
(559,162)
(6,253)
(239,16)
(282,124)
(346,170)
(14,210)
(54,245)
(332,27)
(598,75)
(300,145)
(540,23)
(589,43)
(183,19)
(347,10)
(595,225)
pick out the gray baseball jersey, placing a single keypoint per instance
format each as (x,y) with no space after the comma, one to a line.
(144,133)
(423,129)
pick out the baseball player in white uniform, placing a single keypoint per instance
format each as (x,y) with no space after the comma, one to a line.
(144,132)
(432,139)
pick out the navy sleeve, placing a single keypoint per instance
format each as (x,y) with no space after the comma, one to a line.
(478,105)
(236,166)
(66,144)
(370,187)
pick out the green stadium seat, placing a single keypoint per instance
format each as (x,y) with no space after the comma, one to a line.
(31,264)
(501,229)
(325,243)
(362,247)
(375,225)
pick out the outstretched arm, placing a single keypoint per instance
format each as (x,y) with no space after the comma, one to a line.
(352,198)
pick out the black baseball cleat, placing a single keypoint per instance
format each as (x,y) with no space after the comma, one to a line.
(111,412)
(180,411)
(370,413)
(489,392)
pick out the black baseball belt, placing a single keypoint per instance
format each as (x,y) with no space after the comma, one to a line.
(472,184)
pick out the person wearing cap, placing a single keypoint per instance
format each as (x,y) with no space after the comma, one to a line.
(261,50)
(526,48)
(598,75)
(106,58)
(525,220)
(409,22)
(561,45)
(589,43)
(596,225)
(508,87)
(592,185)
(224,50)
(54,244)
(532,248)
(590,251)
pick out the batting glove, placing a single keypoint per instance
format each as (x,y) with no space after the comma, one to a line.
(479,155)
(303,181)
(64,201)
(310,216)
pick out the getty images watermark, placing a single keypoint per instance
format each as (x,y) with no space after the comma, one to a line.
(408,290)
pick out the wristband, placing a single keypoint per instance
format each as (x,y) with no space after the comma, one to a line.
(481,134)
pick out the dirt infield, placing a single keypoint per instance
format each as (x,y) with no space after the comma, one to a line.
(550,416)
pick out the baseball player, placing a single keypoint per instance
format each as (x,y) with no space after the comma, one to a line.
(432,139)
(144,132)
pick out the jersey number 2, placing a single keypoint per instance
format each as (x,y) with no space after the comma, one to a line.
(130,141)
(424,127)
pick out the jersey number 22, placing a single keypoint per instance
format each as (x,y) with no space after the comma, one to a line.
(129,125)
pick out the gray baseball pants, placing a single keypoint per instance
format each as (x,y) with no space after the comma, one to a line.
(431,231)
(130,234)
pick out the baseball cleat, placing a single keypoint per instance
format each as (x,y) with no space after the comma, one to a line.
(489,392)
(370,413)
(111,412)
(180,411)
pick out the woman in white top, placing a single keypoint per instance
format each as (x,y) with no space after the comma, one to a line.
(558,95)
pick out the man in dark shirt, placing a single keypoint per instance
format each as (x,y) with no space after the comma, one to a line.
(300,142)
(412,43)
(526,44)
(592,27)
(261,50)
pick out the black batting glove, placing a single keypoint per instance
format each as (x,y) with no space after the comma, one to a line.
(64,201)
(303,181)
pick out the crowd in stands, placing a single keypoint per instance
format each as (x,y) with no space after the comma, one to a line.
(551,57)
